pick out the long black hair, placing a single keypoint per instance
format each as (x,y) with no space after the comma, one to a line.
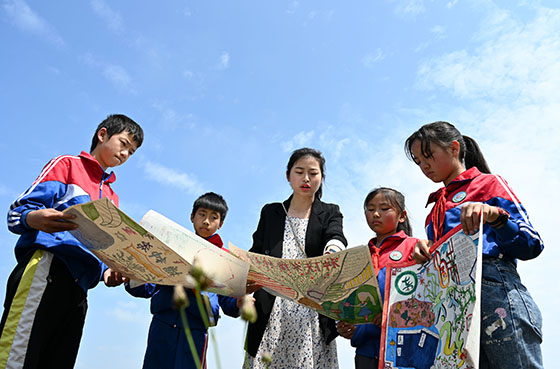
(396,199)
(316,154)
(442,134)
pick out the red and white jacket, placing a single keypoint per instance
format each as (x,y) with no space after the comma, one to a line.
(65,181)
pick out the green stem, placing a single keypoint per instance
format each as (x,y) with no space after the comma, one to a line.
(215,343)
(203,311)
(190,339)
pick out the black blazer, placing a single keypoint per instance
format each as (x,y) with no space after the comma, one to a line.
(325,224)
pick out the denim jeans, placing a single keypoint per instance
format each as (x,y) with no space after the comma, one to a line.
(511,322)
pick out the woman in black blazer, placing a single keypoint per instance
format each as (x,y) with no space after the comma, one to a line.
(302,226)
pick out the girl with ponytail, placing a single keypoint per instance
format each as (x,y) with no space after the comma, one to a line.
(511,323)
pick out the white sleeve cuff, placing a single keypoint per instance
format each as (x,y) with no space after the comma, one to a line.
(334,246)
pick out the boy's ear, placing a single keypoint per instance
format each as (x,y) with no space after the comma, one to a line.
(192,218)
(102,134)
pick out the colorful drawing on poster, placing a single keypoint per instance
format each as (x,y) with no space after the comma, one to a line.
(341,285)
(428,307)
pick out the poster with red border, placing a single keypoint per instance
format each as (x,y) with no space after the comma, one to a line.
(428,309)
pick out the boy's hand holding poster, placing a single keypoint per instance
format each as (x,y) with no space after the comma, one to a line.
(428,311)
(342,285)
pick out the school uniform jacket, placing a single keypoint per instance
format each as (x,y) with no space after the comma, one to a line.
(325,224)
(65,181)
(517,239)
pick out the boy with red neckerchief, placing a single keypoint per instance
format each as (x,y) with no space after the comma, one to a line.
(167,343)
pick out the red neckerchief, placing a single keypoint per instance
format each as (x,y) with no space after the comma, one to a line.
(215,239)
(374,251)
(440,199)
(387,242)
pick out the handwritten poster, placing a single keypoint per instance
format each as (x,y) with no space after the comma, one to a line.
(428,311)
(218,264)
(127,247)
(342,285)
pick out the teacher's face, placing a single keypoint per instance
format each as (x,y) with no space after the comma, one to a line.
(305,176)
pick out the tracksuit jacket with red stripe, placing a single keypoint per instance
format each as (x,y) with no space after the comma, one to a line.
(517,239)
(65,181)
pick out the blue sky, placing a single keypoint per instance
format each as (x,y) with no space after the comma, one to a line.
(226,90)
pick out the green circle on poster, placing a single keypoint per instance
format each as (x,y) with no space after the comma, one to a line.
(406,283)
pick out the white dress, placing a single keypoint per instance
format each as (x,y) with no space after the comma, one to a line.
(293,336)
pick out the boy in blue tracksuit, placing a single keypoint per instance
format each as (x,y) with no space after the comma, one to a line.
(46,293)
(167,343)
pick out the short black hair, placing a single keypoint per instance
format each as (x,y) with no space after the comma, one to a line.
(117,123)
(212,201)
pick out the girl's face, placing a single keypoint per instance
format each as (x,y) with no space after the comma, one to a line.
(444,164)
(382,217)
(305,176)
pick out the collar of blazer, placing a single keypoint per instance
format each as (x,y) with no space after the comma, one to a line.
(316,207)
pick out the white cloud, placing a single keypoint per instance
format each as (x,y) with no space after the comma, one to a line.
(410,8)
(224,60)
(301,139)
(171,119)
(371,58)
(451,4)
(117,75)
(22,16)
(292,7)
(438,33)
(129,312)
(172,177)
(515,61)
(188,74)
(112,18)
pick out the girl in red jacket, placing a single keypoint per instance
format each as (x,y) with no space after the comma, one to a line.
(386,216)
